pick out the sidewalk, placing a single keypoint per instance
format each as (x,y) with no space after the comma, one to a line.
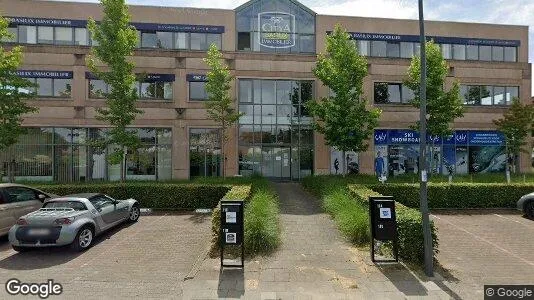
(313,262)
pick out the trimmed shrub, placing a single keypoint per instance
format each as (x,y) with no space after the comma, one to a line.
(409,222)
(262,228)
(154,195)
(458,195)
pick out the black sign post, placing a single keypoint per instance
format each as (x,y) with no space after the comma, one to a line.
(232,229)
(383,224)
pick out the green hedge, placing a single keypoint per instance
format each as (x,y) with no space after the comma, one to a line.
(150,194)
(458,195)
(262,227)
(409,224)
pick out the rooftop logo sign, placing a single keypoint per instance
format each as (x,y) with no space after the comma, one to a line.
(277,29)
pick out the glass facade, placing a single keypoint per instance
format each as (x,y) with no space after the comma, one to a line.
(204,152)
(392,93)
(159,90)
(275,26)
(488,95)
(275,133)
(65,155)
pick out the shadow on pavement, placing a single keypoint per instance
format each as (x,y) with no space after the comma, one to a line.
(40,258)
(410,282)
(404,280)
(294,200)
(199,218)
(231,283)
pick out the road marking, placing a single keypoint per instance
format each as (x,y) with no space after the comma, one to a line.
(486,241)
(516,221)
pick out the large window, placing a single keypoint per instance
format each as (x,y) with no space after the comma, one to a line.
(197,91)
(389,49)
(488,94)
(275,26)
(52,87)
(275,134)
(64,154)
(392,93)
(158,90)
(79,36)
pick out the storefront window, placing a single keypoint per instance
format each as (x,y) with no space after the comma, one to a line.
(149,40)
(27,34)
(164,39)
(197,91)
(497,53)
(485,53)
(204,153)
(97,88)
(472,52)
(62,88)
(393,49)
(63,35)
(45,35)
(44,87)
(378,48)
(510,54)
(213,39)
(458,52)
(446,51)
(182,40)
(80,36)
(198,41)
(406,50)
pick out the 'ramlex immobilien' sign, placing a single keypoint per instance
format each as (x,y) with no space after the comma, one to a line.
(277,29)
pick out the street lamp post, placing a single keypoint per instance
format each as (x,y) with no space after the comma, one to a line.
(428,249)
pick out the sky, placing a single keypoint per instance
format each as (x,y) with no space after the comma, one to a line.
(515,12)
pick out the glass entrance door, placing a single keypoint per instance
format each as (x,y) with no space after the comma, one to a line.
(276,162)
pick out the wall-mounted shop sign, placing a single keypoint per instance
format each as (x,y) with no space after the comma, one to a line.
(46,22)
(460,138)
(139,26)
(44,74)
(197,77)
(144,77)
(437,39)
(277,29)
(179,27)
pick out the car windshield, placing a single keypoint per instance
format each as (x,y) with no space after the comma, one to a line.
(76,205)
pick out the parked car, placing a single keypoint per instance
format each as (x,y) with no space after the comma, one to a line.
(71,220)
(526,205)
(17,200)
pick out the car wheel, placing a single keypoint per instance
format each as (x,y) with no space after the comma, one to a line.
(19,248)
(529,209)
(135,212)
(84,239)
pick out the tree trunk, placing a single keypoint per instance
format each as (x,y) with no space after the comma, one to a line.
(11,168)
(344,168)
(123,165)
(223,156)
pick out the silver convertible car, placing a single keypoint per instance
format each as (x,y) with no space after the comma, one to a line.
(526,205)
(74,219)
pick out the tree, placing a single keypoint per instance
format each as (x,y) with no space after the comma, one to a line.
(443,107)
(116,42)
(516,125)
(219,104)
(343,117)
(14,91)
